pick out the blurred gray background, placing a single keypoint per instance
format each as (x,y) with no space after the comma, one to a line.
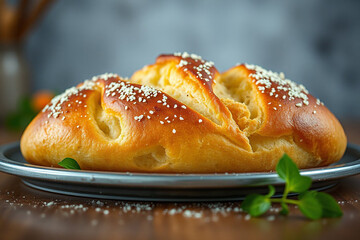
(314,42)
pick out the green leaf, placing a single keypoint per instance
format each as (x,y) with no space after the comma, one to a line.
(289,172)
(284,209)
(330,208)
(22,116)
(300,184)
(310,206)
(24,105)
(271,191)
(286,168)
(69,163)
(256,204)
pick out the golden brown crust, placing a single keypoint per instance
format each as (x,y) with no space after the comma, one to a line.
(312,126)
(181,115)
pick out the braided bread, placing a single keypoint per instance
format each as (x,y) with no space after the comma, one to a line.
(181,115)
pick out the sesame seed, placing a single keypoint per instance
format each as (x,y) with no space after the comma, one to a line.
(174,131)
(120,88)
(138,118)
(183,106)
(55,106)
(181,118)
(182,63)
(200,120)
(265,79)
(201,66)
(161,122)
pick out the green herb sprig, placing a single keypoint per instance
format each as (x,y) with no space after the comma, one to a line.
(69,163)
(312,204)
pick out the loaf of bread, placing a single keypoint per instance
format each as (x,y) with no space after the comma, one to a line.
(180,115)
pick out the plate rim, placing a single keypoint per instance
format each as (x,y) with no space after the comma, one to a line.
(166,180)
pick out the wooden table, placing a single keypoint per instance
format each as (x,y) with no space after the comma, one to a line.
(26,213)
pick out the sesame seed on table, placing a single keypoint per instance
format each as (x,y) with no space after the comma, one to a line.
(26,213)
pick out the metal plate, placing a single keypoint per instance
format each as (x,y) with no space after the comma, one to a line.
(164,187)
